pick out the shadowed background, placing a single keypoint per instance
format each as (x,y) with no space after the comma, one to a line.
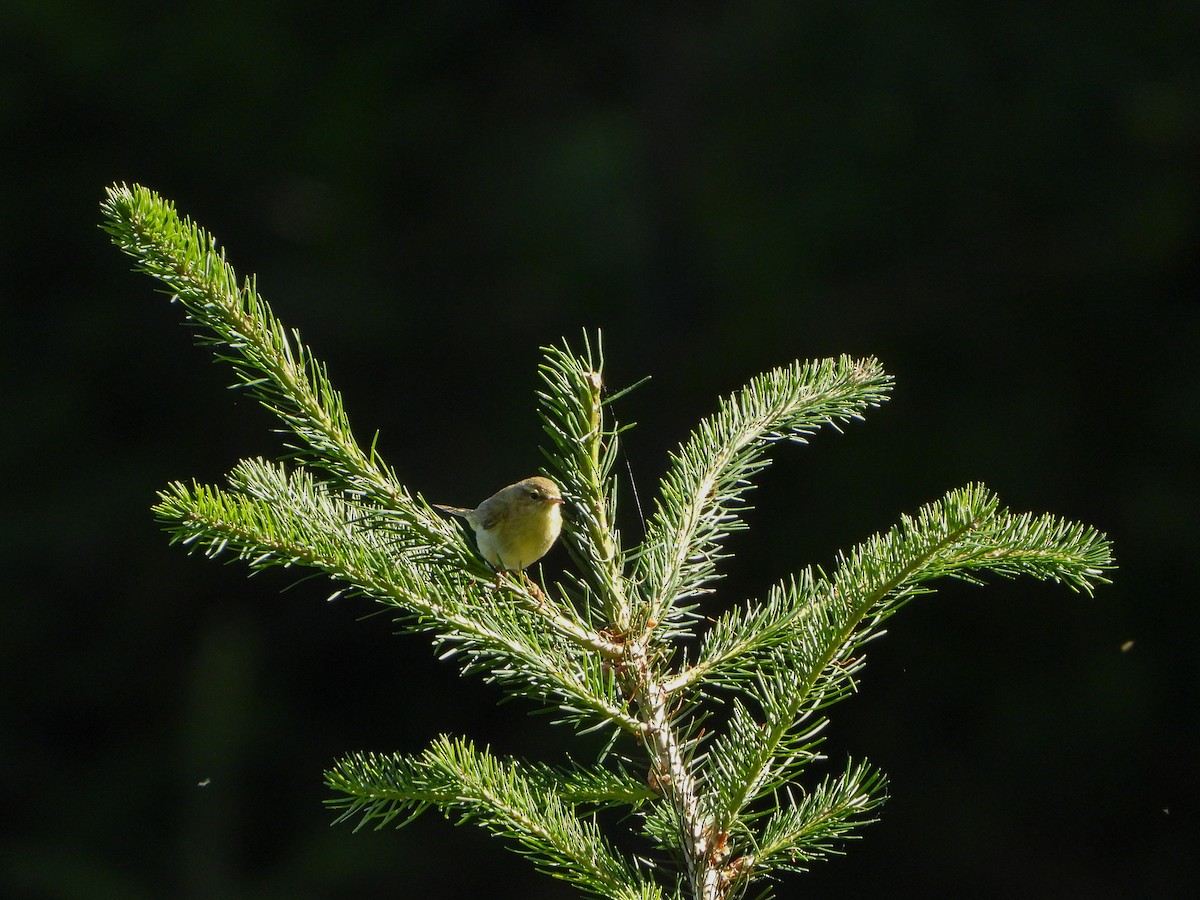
(999,201)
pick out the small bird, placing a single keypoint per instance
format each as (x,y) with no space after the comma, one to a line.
(517,525)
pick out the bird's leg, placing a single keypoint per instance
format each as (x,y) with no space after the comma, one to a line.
(535,590)
(529,584)
(533,587)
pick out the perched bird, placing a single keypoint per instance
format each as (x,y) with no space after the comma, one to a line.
(517,525)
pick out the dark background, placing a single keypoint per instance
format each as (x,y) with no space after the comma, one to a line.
(1000,201)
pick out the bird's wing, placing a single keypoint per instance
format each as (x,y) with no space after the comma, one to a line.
(490,514)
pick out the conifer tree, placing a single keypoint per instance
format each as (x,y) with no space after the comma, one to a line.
(714,711)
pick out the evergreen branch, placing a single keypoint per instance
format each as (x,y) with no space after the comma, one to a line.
(805,831)
(964,535)
(743,635)
(581,460)
(723,803)
(270,362)
(702,495)
(671,747)
(794,834)
(514,800)
(523,656)
(751,758)
(797,670)
(279,518)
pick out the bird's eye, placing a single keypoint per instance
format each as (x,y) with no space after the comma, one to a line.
(535,494)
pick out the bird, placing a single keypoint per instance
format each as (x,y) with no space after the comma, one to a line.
(517,525)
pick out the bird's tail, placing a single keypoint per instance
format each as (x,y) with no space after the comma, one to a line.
(455,510)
